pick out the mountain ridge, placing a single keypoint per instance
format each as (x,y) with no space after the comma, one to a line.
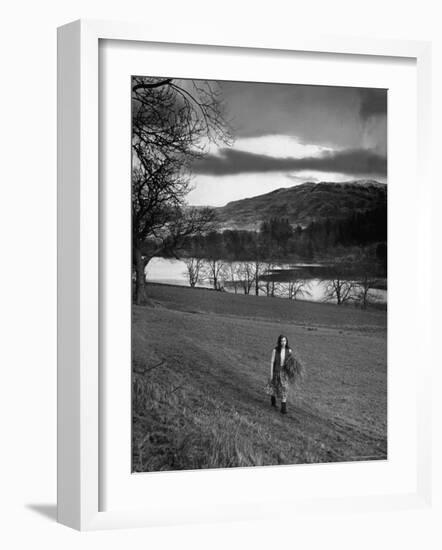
(303,203)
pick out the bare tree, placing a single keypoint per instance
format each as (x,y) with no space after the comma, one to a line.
(270,283)
(341,290)
(215,272)
(339,281)
(259,268)
(363,289)
(245,272)
(233,274)
(172,124)
(194,268)
(167,240)
(298,287)
(366,269)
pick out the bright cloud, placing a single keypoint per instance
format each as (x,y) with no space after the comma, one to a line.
(280,146)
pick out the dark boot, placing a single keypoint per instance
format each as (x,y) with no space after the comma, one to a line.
(284,408)
(273,401)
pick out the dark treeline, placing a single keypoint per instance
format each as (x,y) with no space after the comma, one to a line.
(278,240)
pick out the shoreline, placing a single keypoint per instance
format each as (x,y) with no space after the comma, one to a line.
(373,306)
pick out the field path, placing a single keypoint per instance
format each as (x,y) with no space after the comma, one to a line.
(215,350)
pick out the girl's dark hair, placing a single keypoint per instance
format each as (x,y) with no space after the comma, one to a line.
(278,342)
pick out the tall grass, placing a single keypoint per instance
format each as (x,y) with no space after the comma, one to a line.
(177,427)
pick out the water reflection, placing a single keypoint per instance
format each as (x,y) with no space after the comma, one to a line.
(280,276)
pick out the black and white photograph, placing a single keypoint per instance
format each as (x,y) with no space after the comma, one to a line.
(221,282)
(259,274)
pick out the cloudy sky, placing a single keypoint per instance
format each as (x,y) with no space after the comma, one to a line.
(287,134)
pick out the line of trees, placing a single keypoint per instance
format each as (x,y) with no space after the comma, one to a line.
(346,280)
(245,277)
(276,239)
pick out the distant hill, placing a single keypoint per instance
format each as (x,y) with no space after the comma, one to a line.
(302,204)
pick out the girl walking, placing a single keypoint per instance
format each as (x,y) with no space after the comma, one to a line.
(283,368)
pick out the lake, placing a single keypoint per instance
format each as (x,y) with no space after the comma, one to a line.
(171,271)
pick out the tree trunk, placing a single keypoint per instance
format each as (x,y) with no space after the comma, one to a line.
(338,292)
(140,278)
(366,288)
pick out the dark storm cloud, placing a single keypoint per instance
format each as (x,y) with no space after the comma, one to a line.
(231,161)
(373,103)
(315,114)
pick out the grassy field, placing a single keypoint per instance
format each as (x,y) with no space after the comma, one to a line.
(200,362)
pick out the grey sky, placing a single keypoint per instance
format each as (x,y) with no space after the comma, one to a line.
(323,115)
(287,134)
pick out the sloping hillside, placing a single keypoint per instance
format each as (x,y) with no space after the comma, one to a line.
(200,362)
(304,203)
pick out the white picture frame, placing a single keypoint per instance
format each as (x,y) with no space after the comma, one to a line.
(79,273)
